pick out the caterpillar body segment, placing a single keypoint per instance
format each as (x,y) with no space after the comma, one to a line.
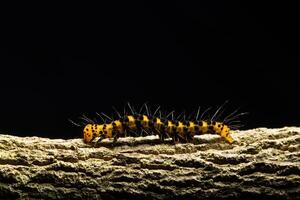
(130,122)
(117,126)
(204,127)
(136,124)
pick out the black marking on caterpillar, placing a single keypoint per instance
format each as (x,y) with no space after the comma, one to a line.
(138,124)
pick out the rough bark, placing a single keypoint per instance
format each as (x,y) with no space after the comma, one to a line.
(263,163)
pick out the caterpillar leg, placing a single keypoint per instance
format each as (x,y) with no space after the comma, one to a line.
(162,135)
(99,140)
(116,137)
(175,138)
(189,137)
(182,139)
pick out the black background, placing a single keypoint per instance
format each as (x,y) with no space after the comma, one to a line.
(60,61)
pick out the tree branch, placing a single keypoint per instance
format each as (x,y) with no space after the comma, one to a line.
(262,163)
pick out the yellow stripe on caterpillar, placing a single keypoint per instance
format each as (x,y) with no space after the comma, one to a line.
(131,122)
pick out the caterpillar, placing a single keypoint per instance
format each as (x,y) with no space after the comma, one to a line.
(179,130)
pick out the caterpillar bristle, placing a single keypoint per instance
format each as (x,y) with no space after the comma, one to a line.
(103,120)
(231,114)
(116,111)
(198,112)
(109,118)
(141,107)
(233,122)
(147,110)
(217,111)
(179,127)
(74,123)
(235,127)
(132,111)
(235,117)
(86,119)
(180,115)
(204,113)
(157,109)
(170,114)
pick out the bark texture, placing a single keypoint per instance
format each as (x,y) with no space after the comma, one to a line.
(262,163)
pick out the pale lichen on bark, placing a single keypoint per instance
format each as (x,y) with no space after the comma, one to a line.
(262,163)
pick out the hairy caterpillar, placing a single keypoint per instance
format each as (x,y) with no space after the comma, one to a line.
(137,123)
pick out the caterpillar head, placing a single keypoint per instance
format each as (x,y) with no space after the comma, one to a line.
(88,135)
(91,131)
(223,130)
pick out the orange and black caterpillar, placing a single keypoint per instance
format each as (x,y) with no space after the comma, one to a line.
(135,124)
